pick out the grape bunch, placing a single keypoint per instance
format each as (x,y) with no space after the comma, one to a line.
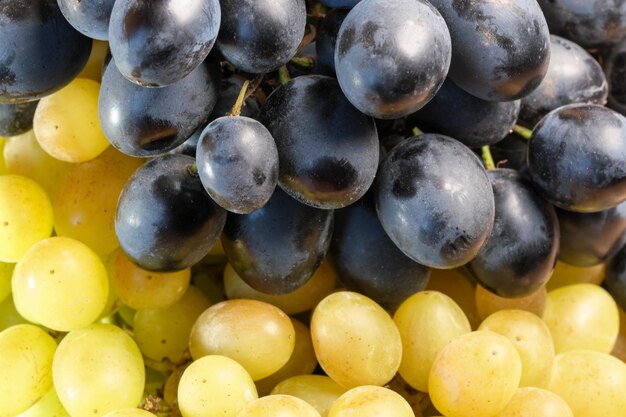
(312,208)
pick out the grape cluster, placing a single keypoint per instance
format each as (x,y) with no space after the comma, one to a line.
(312,208)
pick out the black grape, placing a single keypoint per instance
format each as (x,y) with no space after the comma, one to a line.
(158,42)
(328,150)
(16,119)
(341,4)
(165,221)
(573,76)
(146,122)
(368,261)
(392,57)
(470,120)
(435,201)
(615,70)
(326,37)
(577,157)
(589,239)
(510,152)
(521,251)
(277,248)
(615,281)
(238,163)
(260,36)
(40,51)
(500,49)
(89,17)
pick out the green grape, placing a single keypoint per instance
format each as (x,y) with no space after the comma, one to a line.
(457,286)
(427,322)
(488,303)
(66,123)
(565,274)
(9,315)
(6,271)
(130,412)
(98,369)
(61,284)
(303,299)
(144,290)
(532,339)
(582,316)
(371,401)
(26,354)
(301,362)
(164,333)
(533,402)
(256,334)
(86,199)
(48,406)
(279,405)
(95,63)
(475,375)
(25,216)
(23,156)
(318,390)
(591,383)
(355,340)
(127,315)
(215,386)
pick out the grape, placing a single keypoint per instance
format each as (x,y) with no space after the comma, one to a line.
(475,375)
(6,271)
(532,402)
(427,322)
(510,153)
(565,274)
(391,58)
(355,340)
(332,165)
(26,354)
(340,3)
(95,65)
(582,316)
(9,315)
(318,390)
(89,17)
(229,91)
(425,186)
(130,412)
(326,38)
(157,43)
(616,277)
(370,401)
(456,285)
(48,406)
(25,216)
(40,51)
(98,369)
(615,71)
(282,405)
(16,119)
(488,303)
(238,163)
(215,385)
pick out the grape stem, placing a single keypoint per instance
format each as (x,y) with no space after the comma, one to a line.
(416,131)
(523,131)
(303,61)
(236,110)
(283,75)
(487,158)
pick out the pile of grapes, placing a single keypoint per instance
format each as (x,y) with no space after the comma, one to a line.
(320,208)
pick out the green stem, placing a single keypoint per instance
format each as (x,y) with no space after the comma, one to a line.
(283,75)
(236,110)
(416,131)
(193,169)
(303,61)
(523,131)
(487,158)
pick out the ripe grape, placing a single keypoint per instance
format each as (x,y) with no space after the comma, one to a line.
(278,405)
(532,402)
(565,274)
(370,401)
(48,406)
(488,303)
(89,17)
(460,287)
(130,412)
(16,119)
(318,390)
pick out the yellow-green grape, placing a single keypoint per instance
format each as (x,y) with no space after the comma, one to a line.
(127,315)
(215,386)
(532,339)
(98,369)
(301,362)
(591,383)
(26,354)
(48,406)
(455,285)
(355,340)
(163,334)
(95,63)
(279,405)
(23,156)
(371,401)
(318,390)
(9,315)
(6,271)
(86,199)
(61,284)
(130,412)
(488,303)
(256,334)
(427,322)
(66,123)
(141,289)
(170,389)
(475,375)
(534,402)
(25,216)
(582,316)
(565,274)
(303,299)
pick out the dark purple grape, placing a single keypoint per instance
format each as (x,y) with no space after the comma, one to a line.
(16,119)
(328,150)
(589,239)
(435,201)
(189,146)
(368,261)
(615,70)
(277,248)
(238,163)
(159,42)
(510,153)
(470,120)
(229,91)
(146,122)
(615,281)
(577,157)
(500,49)
(165,220)
(326,38)
(340,4)
(40,51)
(521,251)
(260,36)
(89,17)
(392,57)
(573,76)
